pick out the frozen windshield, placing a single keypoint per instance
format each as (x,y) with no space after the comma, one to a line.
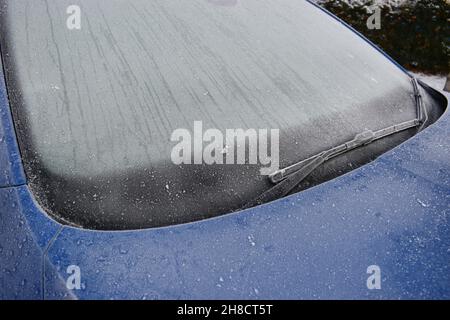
(96,106)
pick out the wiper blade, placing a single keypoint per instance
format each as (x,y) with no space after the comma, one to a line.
(360,140)
(288,178)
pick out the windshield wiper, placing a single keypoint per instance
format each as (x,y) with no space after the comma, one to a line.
(287,179)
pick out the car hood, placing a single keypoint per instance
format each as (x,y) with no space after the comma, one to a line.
(393,213)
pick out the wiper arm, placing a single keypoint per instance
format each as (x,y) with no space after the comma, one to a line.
(287,179)
(422,115)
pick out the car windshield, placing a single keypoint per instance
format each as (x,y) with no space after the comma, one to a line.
(96,104)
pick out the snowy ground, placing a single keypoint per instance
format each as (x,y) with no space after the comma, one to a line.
(437,82)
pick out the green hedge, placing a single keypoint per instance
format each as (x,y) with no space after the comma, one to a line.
(416,34)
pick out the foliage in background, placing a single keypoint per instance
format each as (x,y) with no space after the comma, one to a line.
(414,33)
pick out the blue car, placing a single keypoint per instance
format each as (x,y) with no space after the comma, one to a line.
(215,150)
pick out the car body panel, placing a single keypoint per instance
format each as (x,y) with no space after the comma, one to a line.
(318,244)
(11,171)
(393,212)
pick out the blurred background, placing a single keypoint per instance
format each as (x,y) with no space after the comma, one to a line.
(416,33)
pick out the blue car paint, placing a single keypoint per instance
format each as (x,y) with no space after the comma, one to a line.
(393,212)
(11,171)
